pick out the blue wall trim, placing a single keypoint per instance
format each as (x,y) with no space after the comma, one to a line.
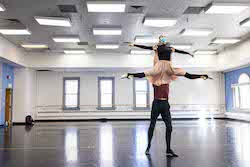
(232,78)
(7,70)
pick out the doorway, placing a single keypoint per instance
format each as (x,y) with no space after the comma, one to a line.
(8,106)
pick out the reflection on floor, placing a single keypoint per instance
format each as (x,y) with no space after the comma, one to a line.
(203,143)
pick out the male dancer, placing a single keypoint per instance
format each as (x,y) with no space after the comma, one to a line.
(161,106)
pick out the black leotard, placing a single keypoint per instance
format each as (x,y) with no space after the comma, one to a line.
(164,51)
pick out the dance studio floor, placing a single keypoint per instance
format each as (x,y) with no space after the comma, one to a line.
(212,143)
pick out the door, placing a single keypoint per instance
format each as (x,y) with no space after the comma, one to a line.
(8,106)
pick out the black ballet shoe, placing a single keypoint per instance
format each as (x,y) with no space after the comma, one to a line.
(205,77)
(171,153)
(147,150)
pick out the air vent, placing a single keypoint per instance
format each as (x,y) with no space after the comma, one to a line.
(43,70)
(83,43)
(9,22)
(136,9)
(67,8)
(13,21)
(193,10)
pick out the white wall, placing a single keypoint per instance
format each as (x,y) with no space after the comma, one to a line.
(235,56)
(52,82)
(183,92)
(49,85)
(24,99)
(11,52)
(244,116)
(113,60)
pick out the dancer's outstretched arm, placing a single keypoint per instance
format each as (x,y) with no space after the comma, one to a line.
(142,46)
(181,51)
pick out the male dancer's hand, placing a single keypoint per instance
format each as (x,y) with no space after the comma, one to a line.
(131,44)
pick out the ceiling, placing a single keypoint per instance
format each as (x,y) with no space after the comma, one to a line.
(131,23)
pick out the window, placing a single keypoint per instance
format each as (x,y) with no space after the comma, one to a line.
(244,78)
(106,93)
(71,92)
(241,92)
(141,93)
(236,96)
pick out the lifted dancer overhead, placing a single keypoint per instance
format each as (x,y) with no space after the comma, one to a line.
(163,72)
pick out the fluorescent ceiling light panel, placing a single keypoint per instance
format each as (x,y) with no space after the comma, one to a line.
(226,8)
(140,52)
(159,22)
(146,40)
(245,23)
(67,39)
(181,46)
(53,21)
(107,31)
(74,51)
(34,46)
(2,8)
(13,31)
(225,40)
(205,52)
(106,6)
(196,32)
(107,46)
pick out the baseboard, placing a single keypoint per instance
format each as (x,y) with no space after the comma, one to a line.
(114,120)
(18,123)
(237,120)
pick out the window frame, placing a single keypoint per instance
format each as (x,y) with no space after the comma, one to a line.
(78,95)
(237,86)
(134,95)
(99,93)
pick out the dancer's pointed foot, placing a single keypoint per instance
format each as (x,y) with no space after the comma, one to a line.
(205,77)
(147,152)
(126,76)
(170,153)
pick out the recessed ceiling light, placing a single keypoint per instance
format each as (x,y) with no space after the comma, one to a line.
(196,32)
(105,6)
(2,8)
(159,22)
(10,31)
(205,52)
(181,46)
(66,38)
(107,31)
(140,52)
(107,46)
(53,21)
(245,23)
(226,8)
(34,46)
(142,39)
(74,51)
(225,40)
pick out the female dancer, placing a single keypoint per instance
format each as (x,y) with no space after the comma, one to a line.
(163,72)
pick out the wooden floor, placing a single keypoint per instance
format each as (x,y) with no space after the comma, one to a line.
(208,143)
